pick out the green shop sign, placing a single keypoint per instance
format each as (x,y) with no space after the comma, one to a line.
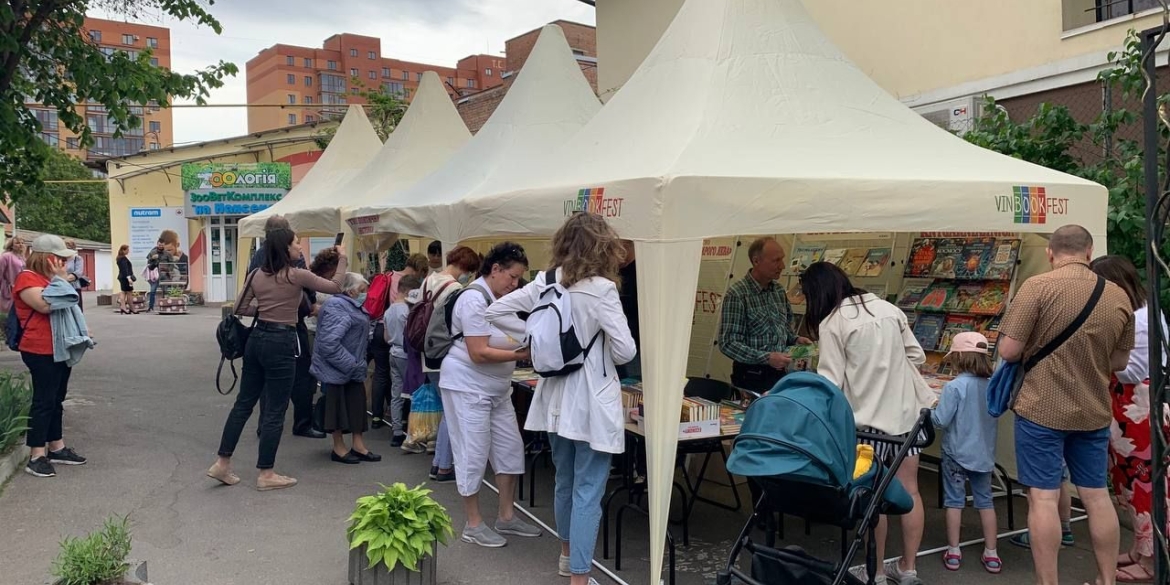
(233,189)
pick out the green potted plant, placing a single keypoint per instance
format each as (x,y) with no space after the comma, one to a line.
(99,558)
(394,537)
(15,399)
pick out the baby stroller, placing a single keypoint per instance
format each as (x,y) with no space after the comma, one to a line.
(799,443)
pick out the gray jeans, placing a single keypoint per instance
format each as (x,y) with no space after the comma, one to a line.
(397,375)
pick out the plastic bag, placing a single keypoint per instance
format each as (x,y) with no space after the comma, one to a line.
(426,410)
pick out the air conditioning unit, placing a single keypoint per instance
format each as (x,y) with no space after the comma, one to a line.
(956,116)
(136,38)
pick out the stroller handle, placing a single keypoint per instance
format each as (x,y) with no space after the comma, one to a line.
(923,429)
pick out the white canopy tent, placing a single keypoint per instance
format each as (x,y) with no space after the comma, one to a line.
(776,132)
(306,206)
(549,102)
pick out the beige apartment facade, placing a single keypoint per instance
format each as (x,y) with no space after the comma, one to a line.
(943,52)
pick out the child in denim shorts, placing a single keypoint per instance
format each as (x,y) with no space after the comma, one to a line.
(968,446)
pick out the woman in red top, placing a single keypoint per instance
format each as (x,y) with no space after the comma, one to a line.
(50,379)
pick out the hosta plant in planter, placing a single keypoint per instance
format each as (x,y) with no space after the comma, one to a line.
(394,537)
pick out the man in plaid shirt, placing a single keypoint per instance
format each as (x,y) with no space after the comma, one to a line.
(756,332)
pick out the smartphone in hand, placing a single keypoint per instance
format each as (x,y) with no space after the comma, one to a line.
(340,237)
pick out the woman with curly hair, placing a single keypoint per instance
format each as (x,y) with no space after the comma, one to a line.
(581,411)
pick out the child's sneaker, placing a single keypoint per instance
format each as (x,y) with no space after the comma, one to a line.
(991,562)
(1024,540)
(953,559)
(1066,538)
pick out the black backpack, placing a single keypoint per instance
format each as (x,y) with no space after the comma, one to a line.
(232,336)
(13,330)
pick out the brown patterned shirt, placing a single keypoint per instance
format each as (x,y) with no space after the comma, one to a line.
(1068,390)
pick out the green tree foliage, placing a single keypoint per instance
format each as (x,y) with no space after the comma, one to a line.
(1052,137)
(384,109)
(79,210)
(47,57)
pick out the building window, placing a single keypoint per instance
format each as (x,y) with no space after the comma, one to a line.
(332,83)
(154,61)
(394,88)
(127,39)
(371,55)
(471,83)
(152,42)
(418,77)
(1078,13)
(385,72)
(155,126)
(95,36)
(51,139)
(292,98)
(353,90)
(308,62)
(353,52)
(309,118)
(71,143)
(48,119)
(292,79)
(290,61)
(372,75)
(488,72)
(154,146)
(292,119)
(308,81)
(450,81)
(153,105)
(405,75)
(308,99)
(331,65)
(353,72)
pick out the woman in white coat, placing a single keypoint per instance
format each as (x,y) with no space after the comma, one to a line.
(582,411)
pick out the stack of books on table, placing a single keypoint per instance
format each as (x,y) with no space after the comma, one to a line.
(698,410)
(730,417)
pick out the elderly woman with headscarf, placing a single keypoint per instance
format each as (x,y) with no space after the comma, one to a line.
(339,362)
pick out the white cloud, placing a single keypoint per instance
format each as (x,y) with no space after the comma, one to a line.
(439,32)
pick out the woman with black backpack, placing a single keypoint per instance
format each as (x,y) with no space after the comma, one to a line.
(273,294)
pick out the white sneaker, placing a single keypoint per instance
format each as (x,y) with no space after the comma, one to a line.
(860,574)
(483,536)
(895,573)
(563,567)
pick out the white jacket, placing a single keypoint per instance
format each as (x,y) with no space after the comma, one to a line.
(585,405)
(873,356)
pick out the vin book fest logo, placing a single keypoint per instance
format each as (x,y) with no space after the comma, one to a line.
(1031,205)
(594,201)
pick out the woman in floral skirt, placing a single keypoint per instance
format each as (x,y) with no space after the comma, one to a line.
(1129,445)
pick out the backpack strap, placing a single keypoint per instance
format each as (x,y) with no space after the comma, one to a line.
(451,306)
(429,296)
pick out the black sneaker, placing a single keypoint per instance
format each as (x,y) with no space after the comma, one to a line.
(66,456)
(40,467)
(434,472)
(377,423)
(397,441)
(445,477)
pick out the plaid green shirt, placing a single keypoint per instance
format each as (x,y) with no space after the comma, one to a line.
(756,322)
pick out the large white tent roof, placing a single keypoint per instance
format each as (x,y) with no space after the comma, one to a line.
(549,102)
(305,207)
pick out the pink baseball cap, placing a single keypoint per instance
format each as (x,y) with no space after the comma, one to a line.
(969,342)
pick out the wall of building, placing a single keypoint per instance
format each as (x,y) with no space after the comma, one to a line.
(582,40)
(936,46)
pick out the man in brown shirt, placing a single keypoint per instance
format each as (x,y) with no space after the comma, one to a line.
(1063,409)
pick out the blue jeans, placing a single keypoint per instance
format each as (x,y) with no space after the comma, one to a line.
(153,293)
(270,366)
(581,477)
(1042,453)
(955,478)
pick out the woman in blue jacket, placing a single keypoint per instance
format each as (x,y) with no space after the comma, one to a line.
(339,362)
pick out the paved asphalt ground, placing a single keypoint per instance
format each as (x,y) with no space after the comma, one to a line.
(143,408)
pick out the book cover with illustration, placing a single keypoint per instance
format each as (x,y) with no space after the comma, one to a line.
(992,298)
(804,358)
(834,255)
(937,297)
(954,325)
(922,253)
(989,327)
(964,298)
(853,260)
(803,256)
(976,258)
(913,289)
(928,329)
(875,262)
(795,294)
(948,255)
(1003,261)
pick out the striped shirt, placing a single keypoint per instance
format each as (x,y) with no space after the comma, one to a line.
(756,322)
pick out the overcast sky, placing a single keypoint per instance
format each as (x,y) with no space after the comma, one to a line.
(438,32)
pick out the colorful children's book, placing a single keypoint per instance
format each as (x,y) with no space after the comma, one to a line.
(976,258)
(922,253)
(992,298)
(955,324)
(937,297)
(804,358)
(989,327)
(834,255)
(875,262)
(928,329)
(853,260)
(913,289)
(1003,261)
(795,294)
(803,256)
(948,256)
(965,296)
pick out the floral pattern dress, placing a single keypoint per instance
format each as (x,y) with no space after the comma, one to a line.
(1129,458)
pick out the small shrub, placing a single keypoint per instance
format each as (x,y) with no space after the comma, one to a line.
(398,526)
(15,400)
(98,558)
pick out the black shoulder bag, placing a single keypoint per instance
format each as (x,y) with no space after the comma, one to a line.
(232,336)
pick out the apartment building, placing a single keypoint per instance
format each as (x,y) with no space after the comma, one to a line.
(311,82)
(157,129)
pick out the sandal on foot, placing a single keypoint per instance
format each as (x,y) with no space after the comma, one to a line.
(952,561)
(1134,574)
(224,476)
(1126,560)
(993,564)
